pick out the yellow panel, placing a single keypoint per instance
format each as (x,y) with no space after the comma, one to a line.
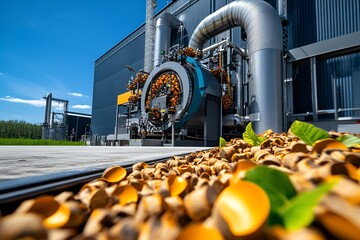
(123,98)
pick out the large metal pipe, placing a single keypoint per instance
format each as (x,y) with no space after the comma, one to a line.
(149,35)
(164,25)
(264,35)
(239,83)
(48,109)
(281,7)
(46,124)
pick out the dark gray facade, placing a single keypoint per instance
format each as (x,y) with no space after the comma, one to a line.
(311,93)
(110,79)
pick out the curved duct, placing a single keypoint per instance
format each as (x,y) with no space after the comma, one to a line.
(164,25)
(264,37)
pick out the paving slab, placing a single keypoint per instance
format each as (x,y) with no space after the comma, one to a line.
(26,161)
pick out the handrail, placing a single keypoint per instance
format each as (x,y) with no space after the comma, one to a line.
(325,111)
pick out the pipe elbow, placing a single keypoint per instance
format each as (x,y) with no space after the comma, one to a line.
(257,17)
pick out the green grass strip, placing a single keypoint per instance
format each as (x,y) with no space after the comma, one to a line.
(28,141)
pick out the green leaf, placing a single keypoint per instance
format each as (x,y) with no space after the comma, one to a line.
(262,139)
(275,183)
(250,136)
(299,211)
(349,140)
(222,142)
(308,132)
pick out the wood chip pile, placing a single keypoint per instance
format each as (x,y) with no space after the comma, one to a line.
(203,195)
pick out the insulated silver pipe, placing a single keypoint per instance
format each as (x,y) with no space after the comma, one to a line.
(281,7)
(149,35)
(239,82)
(45,128)
(226,42)
(164,24)
(52,118)
(264,34)
(48,108)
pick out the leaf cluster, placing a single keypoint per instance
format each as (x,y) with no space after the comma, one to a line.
(311,134)
(288,208)
(250,136)
(307,132)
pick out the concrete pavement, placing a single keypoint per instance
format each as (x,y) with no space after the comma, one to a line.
(26,161)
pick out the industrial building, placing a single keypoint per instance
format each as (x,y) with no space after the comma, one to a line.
(64,125)
(200,69)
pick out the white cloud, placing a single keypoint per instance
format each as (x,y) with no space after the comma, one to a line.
(76,94)
(57,106)
(33,102)
(82,106)
(36,103)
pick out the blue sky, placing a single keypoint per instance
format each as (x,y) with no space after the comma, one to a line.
(51,46)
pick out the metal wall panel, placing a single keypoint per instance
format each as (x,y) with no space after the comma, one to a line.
(336,18)
(302,89)
(100,124)
(192,15)
(339,69)
(302,22)
(110,79)
(313,21)
(337,85)
(135,34)
(317,20)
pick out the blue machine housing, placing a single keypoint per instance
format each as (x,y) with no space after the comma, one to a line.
(200,106)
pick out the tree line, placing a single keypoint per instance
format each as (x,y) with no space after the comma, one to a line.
(19,129)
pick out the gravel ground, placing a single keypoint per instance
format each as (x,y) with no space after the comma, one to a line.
(25,161)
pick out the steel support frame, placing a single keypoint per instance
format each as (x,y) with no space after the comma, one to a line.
(314,88)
